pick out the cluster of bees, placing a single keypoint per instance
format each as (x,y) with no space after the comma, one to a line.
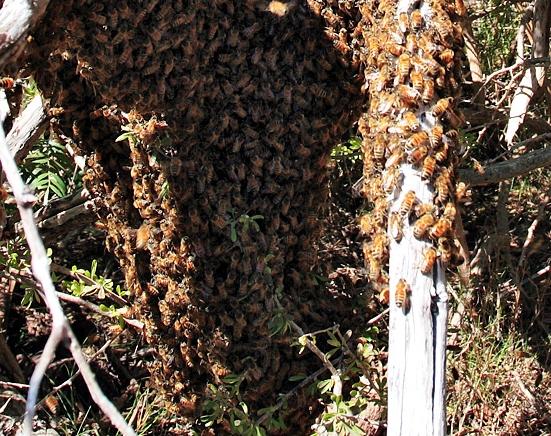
(412,62)
(253,97)
(253,94)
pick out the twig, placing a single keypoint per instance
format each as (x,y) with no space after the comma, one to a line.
(95,308)
(506,170)
(61,329)
(378,317)
(14,385)
(335,375)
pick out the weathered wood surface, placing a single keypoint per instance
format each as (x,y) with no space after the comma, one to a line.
(417,336)
(16,19)
(27,128)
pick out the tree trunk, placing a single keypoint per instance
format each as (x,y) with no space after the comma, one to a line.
(413,72)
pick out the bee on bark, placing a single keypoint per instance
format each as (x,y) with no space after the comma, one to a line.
(379,245)
(396,224)
(442,106)
(422,225)
(418,154)
(404,65)
(429,164)
(435,135)
(449,211)
(447,57)
(441,154)
(408,95)
(417,82)
(384,295)
(445,250)
(416,20)
(441,228)
(402,293)
(417,140)
(442,185)
(429,258)
(403,22)
(411,121)
(7,82)
(423,209)
(407,204)
(428,91)
(412,43)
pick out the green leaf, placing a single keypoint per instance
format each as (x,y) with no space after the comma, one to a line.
(297,377)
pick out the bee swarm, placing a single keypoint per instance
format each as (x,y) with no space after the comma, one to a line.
(252,100)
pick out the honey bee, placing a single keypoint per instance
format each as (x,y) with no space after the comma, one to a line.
(7,82)
(429,164)
(411,43)
(404,64)
(418,154)
(374,269)
(411,120)
(435,135)
(461,191)
(416,20)
(442,227)
(444,28)
(452,135)
(422,225)
(442,106)
(449,211)
(395,158)
(408,202)
(386,102)
(447,57)
(394,48)
(51,403)
(427,45)
(391,179)
(402,293)
(416,140)
(423,209)
(444,250)
(142,236)
(403,22)
(379,147)
(442,153)
(442,185)
(408,95)
(460,8)
(429,257)
(384,295)
(396,224)
(366,224)
(416,78)
(341,46)
(428,91)
(379,245)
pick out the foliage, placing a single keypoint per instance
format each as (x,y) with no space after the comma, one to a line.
(50,171)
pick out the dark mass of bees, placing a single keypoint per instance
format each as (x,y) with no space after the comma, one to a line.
(231,109)
(249,97)
(412,59)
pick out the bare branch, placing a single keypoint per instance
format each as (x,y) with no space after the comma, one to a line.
(506,170)
(533,77)
(17,17)
(27,128)
(61,329)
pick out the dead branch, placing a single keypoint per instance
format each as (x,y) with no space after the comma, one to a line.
(9,362)
(533,77)
(17,17)
(531,231)
(27,128)
(308,343)
(61,329)
(506,170)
